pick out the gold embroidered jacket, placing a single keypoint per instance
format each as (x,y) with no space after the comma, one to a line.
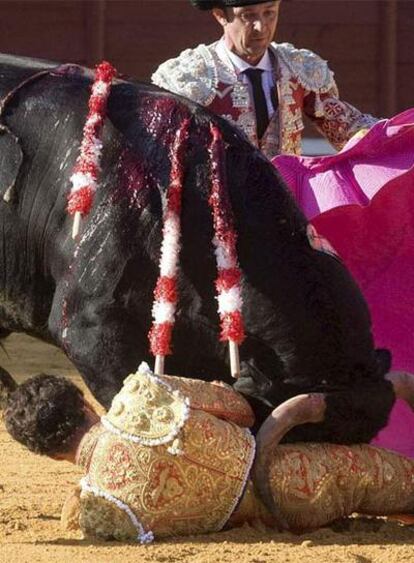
(305,86)
(173,456)
(162,462)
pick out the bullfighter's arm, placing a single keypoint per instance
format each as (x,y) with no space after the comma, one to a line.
(103,518)
(312,86)
(69,517)
(337,120)
(96,516)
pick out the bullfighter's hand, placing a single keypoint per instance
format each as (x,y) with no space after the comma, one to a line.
(69,518)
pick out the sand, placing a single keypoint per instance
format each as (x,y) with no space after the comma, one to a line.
(33,489)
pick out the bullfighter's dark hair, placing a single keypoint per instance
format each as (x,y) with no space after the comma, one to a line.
(44,414)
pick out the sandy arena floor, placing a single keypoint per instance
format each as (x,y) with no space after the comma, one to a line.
(32,491)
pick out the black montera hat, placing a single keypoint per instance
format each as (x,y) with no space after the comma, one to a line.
(210,4)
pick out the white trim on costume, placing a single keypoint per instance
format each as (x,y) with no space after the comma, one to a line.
(143,537)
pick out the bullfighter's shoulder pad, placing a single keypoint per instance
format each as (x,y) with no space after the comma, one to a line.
(215,398)
(192,74)
(147,410)
(307,67)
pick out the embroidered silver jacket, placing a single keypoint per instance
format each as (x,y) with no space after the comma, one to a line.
(305,86)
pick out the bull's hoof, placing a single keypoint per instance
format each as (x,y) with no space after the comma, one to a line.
(7,386)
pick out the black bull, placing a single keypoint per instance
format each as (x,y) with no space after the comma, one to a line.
(307,325)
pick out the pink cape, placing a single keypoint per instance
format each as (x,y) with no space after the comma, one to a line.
(362,201)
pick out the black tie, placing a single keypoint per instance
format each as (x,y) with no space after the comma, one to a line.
(260,105)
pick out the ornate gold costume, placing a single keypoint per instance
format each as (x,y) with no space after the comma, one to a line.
(312,484)
(173,469)
(166,460)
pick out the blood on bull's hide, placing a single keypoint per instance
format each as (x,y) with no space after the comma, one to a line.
(307,325)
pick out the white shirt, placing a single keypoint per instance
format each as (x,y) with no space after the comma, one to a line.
(240,65)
